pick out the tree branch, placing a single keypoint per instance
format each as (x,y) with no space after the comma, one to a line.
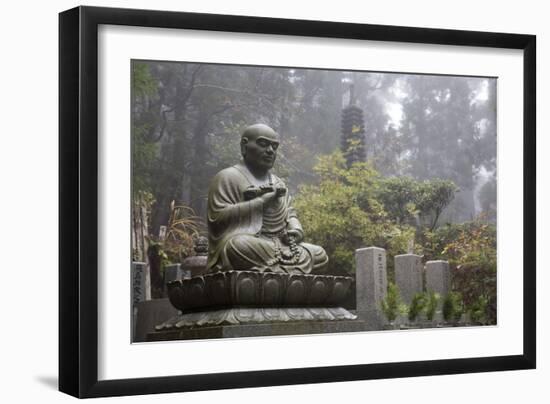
(163,127)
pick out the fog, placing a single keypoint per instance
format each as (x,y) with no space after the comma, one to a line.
(187,119)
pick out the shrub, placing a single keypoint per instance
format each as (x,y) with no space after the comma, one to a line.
(355,207)
(478,311)
(431,304)
(453,307)
(470,249)
(418,304)
(473,258)
(392,305)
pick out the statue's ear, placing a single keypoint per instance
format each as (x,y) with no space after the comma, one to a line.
(244,142)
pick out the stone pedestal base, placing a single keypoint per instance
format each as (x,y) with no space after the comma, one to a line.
(257,330)
(219,290)
(260,303)
(246,315)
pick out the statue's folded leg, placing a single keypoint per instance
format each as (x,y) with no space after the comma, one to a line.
(318,255)
(246,252)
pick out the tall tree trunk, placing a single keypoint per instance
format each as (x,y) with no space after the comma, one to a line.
(168,190)
(199,178)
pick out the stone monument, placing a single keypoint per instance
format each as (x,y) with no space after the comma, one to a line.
(408,275)
(438,277)
(259,269)
(141,282)
(372,284)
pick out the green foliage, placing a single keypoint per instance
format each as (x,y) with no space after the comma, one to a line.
(431,304)
(178,241)
(340,213)
(158,253)
(473,257)
(405,198)
(478,311)
(143,159)
(417,306)
(399,196)
(143,83)
(144,86)
(183,227)
(453,307)
(392,305)
(433,196)
(356,207)
(470,249)
(144,199)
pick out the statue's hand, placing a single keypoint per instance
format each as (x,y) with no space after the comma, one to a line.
(281,190)
(294,234)
(268,197)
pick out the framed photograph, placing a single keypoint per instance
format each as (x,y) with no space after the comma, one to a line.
(251,201)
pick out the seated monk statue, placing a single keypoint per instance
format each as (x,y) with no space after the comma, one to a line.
(251,223)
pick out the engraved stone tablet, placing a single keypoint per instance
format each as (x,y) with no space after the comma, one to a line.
(372,284)
(408,275)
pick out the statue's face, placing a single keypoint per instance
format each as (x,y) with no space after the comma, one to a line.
(260,149)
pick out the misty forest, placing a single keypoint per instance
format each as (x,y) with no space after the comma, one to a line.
(406,162)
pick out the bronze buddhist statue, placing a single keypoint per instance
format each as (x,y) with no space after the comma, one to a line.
(259,269)
(251,222)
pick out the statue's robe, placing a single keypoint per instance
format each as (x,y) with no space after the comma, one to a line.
(246,235)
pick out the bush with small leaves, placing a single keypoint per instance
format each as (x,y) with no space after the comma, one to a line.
(431,304)
(453,307)
(418,304)
(392,305)
(478,310)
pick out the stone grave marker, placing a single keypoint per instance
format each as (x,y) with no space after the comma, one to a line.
(438,277)
(141,282)
(372,284)
(408,275)
(438,280)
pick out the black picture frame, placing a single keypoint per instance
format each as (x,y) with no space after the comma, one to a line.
(78,196)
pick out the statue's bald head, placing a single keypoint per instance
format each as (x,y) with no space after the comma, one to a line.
(259,145)
(255,131)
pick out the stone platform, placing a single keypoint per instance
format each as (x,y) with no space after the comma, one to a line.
(255,315)
(258,330)
(252,303)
